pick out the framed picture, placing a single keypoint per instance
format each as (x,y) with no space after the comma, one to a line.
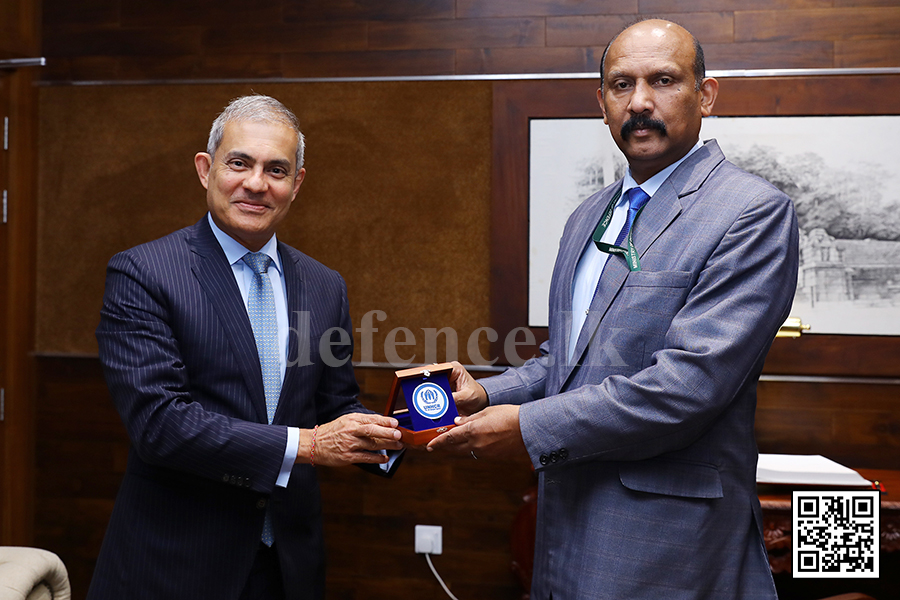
(845,184)
(825,133)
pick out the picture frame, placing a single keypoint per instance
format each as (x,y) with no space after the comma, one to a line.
(515,103)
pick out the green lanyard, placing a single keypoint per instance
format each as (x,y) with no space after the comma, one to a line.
(629,253)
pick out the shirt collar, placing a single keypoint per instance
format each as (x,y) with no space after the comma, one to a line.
(653,184)
(234,251)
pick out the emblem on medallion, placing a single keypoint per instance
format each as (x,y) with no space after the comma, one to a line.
(430,400)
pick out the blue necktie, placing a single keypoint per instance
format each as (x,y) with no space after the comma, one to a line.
(261,308)
(637,198)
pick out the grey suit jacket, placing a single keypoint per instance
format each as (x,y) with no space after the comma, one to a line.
(645,446)
(182,367)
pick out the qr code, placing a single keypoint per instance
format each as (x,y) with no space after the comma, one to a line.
(835,534)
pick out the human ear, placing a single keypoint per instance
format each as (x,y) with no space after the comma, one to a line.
(709,90)
(297,181)
(203,163)
(602,107)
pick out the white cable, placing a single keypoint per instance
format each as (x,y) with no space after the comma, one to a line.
(441,581)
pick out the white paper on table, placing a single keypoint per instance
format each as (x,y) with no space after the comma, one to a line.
(801,469)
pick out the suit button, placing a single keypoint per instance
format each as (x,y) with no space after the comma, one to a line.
(554,457)
(261,503)
(544,459)
(564,454)
(225,478)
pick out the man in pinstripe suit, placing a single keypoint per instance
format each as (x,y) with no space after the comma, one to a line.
(638,415)
(211,473)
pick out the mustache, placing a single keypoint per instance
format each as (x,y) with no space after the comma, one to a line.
(642,122)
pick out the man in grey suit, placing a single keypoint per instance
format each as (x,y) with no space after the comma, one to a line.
(638,414)
(227,354)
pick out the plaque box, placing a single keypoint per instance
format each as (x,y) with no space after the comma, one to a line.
(417,429)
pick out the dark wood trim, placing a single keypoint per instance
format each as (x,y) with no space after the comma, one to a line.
(20,32)
(516,102)
(17,526)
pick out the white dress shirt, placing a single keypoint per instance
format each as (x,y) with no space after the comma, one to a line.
(590,265)
(235,252)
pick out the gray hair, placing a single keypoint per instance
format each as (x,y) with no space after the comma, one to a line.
(259,108)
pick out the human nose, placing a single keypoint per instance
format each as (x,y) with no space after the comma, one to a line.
(255,181)
(641,98)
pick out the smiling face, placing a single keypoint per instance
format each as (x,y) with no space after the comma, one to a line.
(649,96)
(252,179)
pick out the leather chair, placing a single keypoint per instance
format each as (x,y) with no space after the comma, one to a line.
(32,574)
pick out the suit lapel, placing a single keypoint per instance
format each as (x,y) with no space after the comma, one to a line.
(216,277)
(298,309)
(664,208)
(660,212)
(668,201)
(570,253)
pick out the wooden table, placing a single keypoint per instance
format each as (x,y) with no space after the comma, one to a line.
(776,507)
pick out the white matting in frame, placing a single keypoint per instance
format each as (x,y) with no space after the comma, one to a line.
(843,174)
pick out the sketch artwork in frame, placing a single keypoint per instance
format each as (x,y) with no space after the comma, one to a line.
(842,172)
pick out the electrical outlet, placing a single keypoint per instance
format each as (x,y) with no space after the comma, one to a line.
(428,539)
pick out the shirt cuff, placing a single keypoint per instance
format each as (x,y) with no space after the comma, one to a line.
(290,455)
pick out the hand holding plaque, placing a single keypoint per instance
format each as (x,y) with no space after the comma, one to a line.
(422,401)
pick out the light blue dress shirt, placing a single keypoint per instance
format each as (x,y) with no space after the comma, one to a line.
(590,265)
(235,252)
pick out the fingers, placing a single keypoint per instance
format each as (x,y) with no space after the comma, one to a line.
(491,433)
(364,418)
(468,394)
(374,432)
(453,439)
(356,438)
(458,373)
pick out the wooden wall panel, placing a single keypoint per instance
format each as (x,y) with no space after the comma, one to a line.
(731,6)
(860,3)
(835,356)
(479,33)
(817,24)
(81,451)
(368,63)
(346,38)
(395,172)
(542,8)
(854,423)
(867,53)
(94,12)
(762,55)
(277,39)
(593,31)
(709,27)
(375,10)
(80,40)
(168,13)
(529,60)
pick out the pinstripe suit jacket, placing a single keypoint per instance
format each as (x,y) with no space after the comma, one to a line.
(645,448)
(182,367)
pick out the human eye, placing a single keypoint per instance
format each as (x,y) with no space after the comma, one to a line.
(278,172)
(665,80)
